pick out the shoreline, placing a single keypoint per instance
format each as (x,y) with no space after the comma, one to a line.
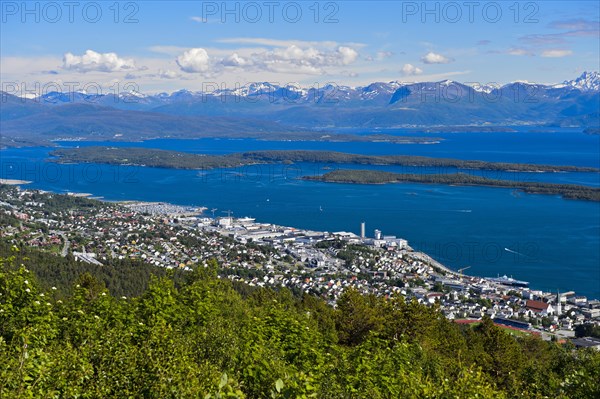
(425,256)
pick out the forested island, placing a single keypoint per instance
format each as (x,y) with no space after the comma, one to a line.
(183,160)
(571,191)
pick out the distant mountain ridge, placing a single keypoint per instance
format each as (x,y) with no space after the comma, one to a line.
(254,109)
(587,82)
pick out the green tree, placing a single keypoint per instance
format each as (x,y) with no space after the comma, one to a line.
(357,316)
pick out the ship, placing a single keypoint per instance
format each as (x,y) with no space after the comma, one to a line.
(505,280)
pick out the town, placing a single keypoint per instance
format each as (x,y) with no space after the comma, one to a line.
(323,264)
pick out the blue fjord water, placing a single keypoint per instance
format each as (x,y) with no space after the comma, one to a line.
(552,242)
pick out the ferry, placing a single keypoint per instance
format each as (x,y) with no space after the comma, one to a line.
(505,280)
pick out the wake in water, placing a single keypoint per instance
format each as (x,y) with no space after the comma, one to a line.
(514,252)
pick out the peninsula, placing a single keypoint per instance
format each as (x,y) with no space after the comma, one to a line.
(570,191)
(184,160)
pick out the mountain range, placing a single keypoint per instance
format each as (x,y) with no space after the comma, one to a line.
(263,108)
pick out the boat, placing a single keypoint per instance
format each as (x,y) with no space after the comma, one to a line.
(505,280)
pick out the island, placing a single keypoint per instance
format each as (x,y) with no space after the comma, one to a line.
(570,191)
(184,160)
(43,140)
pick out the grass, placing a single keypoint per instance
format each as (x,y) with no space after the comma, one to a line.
(512,331)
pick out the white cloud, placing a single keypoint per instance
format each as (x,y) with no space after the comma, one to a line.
(277,56)
(433,58)
(168,74)
(556,53)
(294,59)
(166,66)
(382,55)
(311,56)
(293,53)
(347,55)
(98,62)
(234,60)
(194,60)
(409,69)
(518,51)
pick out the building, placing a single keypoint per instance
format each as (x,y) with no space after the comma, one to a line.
(225,222)
(539,307)
(587,342)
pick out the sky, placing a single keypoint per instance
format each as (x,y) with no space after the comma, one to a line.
(160,46)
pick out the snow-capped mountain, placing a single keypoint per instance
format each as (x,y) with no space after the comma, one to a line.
(378,88)
(132,93)
(374,93)
(376,105)
(588,81)
(483,88)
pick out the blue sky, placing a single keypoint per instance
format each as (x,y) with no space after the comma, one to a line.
(166,46)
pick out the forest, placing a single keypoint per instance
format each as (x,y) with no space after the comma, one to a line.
(183,160)
(130,331)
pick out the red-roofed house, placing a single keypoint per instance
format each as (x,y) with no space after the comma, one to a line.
(540,307)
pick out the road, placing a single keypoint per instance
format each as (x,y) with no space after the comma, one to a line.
(66,245)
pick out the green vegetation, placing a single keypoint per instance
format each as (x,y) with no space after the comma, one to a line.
(352,254)
(184,160)
(55,203)
(144,157)
(121,277)
(198,336)
(587,330)
(511,331)
(570,191)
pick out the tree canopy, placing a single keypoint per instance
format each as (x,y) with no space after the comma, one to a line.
(200,336)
